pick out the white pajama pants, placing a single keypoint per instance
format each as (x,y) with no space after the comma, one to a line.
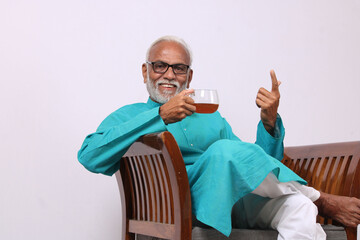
(287,207)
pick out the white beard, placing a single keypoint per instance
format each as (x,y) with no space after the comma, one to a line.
(164,97)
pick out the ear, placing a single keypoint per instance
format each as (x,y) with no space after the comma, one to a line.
(190,78)
(144,71)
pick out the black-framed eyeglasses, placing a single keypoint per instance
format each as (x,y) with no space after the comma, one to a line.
(162,67)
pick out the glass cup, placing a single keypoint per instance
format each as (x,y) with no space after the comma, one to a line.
(206,100)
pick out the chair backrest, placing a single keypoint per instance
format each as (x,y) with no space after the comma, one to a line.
(331,168)
(151,177)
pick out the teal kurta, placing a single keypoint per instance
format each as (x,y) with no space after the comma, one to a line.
(221,168)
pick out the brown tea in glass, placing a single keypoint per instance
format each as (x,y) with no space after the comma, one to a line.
(206,101)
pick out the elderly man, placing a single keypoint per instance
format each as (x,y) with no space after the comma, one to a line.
(222,169)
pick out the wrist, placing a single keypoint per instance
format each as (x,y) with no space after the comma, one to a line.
(270,129)
(162,115)
(269,126)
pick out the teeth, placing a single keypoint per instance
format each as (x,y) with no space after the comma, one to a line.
(167,85)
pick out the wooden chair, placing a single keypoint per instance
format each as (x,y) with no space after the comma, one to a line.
(331,168)
(154,189)
(155,192)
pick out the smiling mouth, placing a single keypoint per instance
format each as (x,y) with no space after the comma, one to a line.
(167,85)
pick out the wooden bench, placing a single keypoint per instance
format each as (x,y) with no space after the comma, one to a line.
(155,192)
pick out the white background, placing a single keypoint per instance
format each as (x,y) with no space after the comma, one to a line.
(65,65)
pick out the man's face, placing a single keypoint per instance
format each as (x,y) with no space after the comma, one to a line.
(163,86)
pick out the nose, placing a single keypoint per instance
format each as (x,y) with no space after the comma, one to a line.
(169,74)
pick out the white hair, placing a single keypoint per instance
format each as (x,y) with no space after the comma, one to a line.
(171,39)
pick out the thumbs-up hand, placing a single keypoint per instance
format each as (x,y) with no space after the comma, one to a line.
(269,103)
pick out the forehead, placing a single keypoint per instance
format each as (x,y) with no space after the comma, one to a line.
(170,52)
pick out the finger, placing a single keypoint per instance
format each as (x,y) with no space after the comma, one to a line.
(264,99)
(357,216)
(266,96)
(188,111)
(189,100)
(259,103)
(275,82)
(190,107)
(265,92)
(186,92)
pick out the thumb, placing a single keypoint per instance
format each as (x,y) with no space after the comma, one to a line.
(275,82)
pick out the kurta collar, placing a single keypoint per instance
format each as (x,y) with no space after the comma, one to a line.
(152,103)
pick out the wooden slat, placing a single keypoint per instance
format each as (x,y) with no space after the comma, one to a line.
(309,170)
(170,200)
(165,189)
(336,172)
(142,191)
(160,230)
(145,188)
(331,173)
(131,186)
(157,183)
(137,186)
(151,190)
(162,202)
(318,173)
(346,188)
(325,173)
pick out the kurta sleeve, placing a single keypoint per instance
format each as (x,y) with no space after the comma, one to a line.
(272,145)
(102,150)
